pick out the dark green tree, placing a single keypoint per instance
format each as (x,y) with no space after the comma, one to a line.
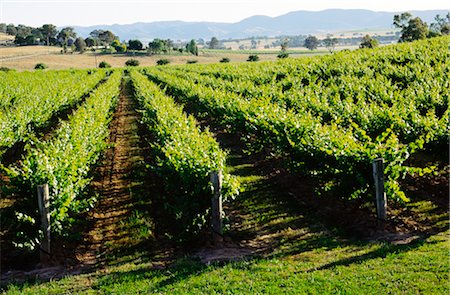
(23,31)
(411,28)
(37,34)
(90,42)
(214,43)
(3,28)
(156,46)
(283,54)
(65,34)
(103,37)
(119,47)
(192,47)
(135,45)
(11,30)
(311,42)
(162,62)
(28,40)
(49,32)
(330,43)
(132,63)
(80,44)
(40,66)
(107,37)
(368,42)
(253,57)
(104,64)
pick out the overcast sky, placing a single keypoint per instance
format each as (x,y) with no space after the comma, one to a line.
(84,12)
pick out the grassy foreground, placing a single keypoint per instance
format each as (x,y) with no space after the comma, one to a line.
(421,268)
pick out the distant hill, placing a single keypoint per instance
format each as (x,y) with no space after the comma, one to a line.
(293,23)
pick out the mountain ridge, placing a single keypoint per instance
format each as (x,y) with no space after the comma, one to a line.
(299,22)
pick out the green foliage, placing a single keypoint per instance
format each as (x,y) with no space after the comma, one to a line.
(64,162)
(161,62)
(331,116)
(368,42)
(30,99)
(40,66)
(104,64)
(24,35)
(411,28)
(330,43)
(90,42)
(192,61)
(65,34)
(135,45)
(119,47)
(6,69)
(253,57)
(49,32)
(185,157)
(132,63)
(283,55)
(311,42)
(80,44)
(192,47)
(225,60)
(158,45)
(214,43)
(102,37)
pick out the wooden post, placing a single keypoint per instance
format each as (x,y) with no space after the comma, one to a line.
(43,203)
(378,176)
(216,205)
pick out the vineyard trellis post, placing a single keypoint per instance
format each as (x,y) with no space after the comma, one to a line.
(378,176)
(216,205)
(43,203)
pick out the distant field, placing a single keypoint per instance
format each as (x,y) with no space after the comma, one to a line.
(25,58)
(88,60)
(10,52)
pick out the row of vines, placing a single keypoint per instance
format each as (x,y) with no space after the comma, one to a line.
(328,117)
(63,161)
(28,100)
(332,116)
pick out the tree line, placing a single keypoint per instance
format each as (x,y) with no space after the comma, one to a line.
(49,35)
(411,28)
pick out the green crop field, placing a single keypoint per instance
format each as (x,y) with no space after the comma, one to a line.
(127,154)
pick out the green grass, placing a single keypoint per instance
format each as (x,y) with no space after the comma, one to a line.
(421,268)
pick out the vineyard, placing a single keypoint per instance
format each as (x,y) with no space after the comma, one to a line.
(317,123)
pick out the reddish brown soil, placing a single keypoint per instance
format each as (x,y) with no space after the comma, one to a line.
(113,185)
